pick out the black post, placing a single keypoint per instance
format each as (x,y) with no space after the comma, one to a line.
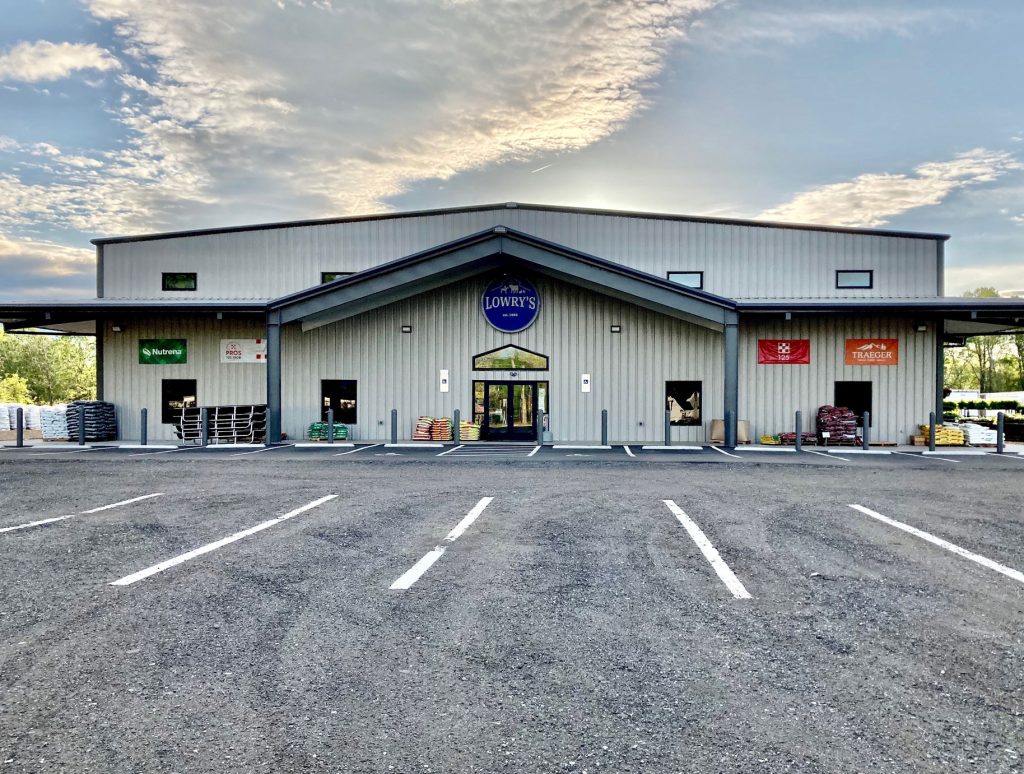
(394,426)
(540,427)
(330,425)
(204,420)
(867,430)
(730,435)
(81,425)
(668,427)
(144,432)
(20,426)
(799,432)
(457,419)
(931,431)
(604,427)
(999,433)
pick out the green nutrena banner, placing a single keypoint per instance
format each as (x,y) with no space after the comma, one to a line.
(163,351)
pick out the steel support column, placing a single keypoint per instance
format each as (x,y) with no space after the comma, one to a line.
(940,368)
(732,380)
(273,377)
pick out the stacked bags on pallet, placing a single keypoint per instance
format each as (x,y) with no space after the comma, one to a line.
(469,431)
(100,420)
(840,423)
(441,429)
(421,431)
(53,422)
(945,435)
(318,431)
(5,419)
(979,435)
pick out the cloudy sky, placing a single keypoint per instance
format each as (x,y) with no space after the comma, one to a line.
(127,116)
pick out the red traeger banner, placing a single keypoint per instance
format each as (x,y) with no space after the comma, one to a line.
(783,351)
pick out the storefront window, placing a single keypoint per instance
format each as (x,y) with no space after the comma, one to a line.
(683,402)
(510,358)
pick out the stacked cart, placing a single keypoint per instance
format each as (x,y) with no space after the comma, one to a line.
(227,424)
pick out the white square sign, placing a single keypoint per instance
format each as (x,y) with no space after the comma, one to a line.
(443,379)
(584,382)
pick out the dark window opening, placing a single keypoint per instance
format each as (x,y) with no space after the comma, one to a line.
(855,396)
(862,279)
(340,395)
(683,402)
(180,280)
(176,394)
(691,279)
(510,358)
(330,276)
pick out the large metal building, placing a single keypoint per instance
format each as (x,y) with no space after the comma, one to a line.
(508,310)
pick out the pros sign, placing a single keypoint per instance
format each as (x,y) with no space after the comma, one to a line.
(510,304)
(163,351)
(883,352)
(243,350)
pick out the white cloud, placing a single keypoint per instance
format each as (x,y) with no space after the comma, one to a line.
(32,268)
(46,61)
(1002,276)
(870,200)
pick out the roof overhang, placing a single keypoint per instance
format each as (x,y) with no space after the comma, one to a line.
(499,248)
(79,317)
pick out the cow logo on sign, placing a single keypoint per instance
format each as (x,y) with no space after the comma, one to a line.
(510,304)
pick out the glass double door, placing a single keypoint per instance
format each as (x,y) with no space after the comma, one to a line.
(507,411)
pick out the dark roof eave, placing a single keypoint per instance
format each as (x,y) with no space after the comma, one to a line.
(515,205)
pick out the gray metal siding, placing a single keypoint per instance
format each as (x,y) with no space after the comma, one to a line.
(396,370)
(902,395)
(738,261)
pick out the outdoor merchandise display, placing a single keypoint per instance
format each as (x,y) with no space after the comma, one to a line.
(469,431)
(441,429)
(53,422)
(836,425)
(789,439)
(227,424)
(421,432)
(319,431)
(977,435)
(100,421)
(945,435)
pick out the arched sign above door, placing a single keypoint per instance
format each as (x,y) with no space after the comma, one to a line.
(510,304)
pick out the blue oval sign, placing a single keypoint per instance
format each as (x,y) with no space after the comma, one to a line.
(510,304)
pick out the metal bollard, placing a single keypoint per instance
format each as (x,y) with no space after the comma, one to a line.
(457,432)
(730,430)
(20,441)
(604,427)
(144,431)
(1000,436)
(81,425)
(867,431)
(204,420)
(799,432)
(931,431)
(330,425)
(540,427)
(394,426)
(668,428)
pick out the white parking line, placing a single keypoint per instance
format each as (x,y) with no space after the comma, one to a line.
(535,450)
(167,451)
(723,451)
(81,513)
(130,579)
(414,573)
(359,449)
(68,451)
(451,450)
(629,451)
(710,552)
(260,451)
(922,457)
(983,561)
(823,454)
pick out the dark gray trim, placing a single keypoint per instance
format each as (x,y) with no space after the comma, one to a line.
(940,368)
(731,384)
(99,271)
(515,205)
(940,248)
(273,377)
(100,331)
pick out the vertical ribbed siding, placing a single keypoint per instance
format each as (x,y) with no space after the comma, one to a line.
(396,370)
(902,395)
(738,261)
(131,386)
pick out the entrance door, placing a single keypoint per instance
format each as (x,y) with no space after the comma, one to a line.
(855,396)
(509,410)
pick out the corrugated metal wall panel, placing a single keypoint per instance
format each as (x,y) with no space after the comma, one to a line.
(396,370)
(902,395)
(738,261)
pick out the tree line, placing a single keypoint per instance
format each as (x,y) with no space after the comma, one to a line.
(986,363)
(44,370)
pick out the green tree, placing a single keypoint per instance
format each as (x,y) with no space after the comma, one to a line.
(14,389)
(1018,359)
(57,369)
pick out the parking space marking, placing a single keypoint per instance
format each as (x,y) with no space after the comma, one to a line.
(451,450)
(710,552)
(81,513)
(535,450)
(922,457)
(166,451)
(823,454)
(166,565)
(260,451)
(629,451)
(414,573)
(723,451)
(69,451)
(983,561)
(361,448)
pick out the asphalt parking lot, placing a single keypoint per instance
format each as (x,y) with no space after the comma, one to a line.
(383,609)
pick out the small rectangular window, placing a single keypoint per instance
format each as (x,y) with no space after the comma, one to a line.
(330,276)
(691,279)
(179,280)
(683,402)
(855,278)
(176,394)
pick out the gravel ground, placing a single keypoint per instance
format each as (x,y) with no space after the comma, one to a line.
(574,626)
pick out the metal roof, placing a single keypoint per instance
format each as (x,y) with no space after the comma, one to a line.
(524,206)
